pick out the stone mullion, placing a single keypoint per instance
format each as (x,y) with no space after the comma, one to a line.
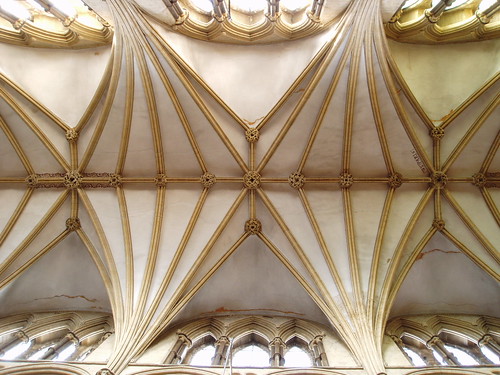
(277,347)
(476,353)
(488,341)
(221,346)
(318,350)
(401,345)
(175,355)
(65,342)
(19,337)
(438,345)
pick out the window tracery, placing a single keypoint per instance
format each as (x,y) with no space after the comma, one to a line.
(249,342)
(55,336)
(447,341)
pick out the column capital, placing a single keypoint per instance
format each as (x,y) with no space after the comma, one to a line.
(21,335)
(485,340)
(183,337)
(433,341)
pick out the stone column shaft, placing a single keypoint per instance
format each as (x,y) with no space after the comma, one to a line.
(220,355)
(175,355)
(277,347)
(19,337)
(438,345)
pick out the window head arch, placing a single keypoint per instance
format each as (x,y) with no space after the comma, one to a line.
(250,351)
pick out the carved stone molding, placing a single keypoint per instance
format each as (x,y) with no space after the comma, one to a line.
(437,132)
(161,180)
(439,224)
(253,226)
(395,180)
(252,135)
(21,335)
(208,180)
(72,180)
(72,135)
(439,180)
(73,223)
(115,180)
(251,180)
(434,340)
(104,371)
(73,338)
(296,180)
(346,180)
(32,180)
(479,179)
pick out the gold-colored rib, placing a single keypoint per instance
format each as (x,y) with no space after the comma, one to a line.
(129,254)
(34,232)
(326,252)
(193,220)
(490,203)
(108,103)
(384,302)
(152,107)
(178,108)
(296,246)
(32,260)
(377,116)
(164,46)
(471,132)
(16,146)
(108,255)
(471,99)
(381,45)
(35,102)
(491,154)
(99,93)
(352,82)
(478,261)
(387,71)
(320,55)
(129,347)
(34,127)
(399,278)
(374,271)
(129,108)
(15,215)
(186,297)
(331,311)
(472,227)
(101,267)
(298,108)
(154,247)
(326,103)
(201,105)
(74,203)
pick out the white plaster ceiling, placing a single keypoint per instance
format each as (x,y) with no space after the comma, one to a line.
(157,103)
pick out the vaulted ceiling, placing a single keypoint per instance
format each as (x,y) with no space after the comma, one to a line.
(164,178)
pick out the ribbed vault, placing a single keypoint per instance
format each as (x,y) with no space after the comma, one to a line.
(343,181)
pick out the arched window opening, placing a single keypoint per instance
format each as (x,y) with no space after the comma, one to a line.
(252,355)
(415,358)
(204,356)
(462,357)
(490,355)
(439,358)
(16,351)
(297,357)
(66,353)
(39,354)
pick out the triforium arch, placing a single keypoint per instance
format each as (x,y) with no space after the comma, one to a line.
(229,335)
(52,333)
(434,337)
